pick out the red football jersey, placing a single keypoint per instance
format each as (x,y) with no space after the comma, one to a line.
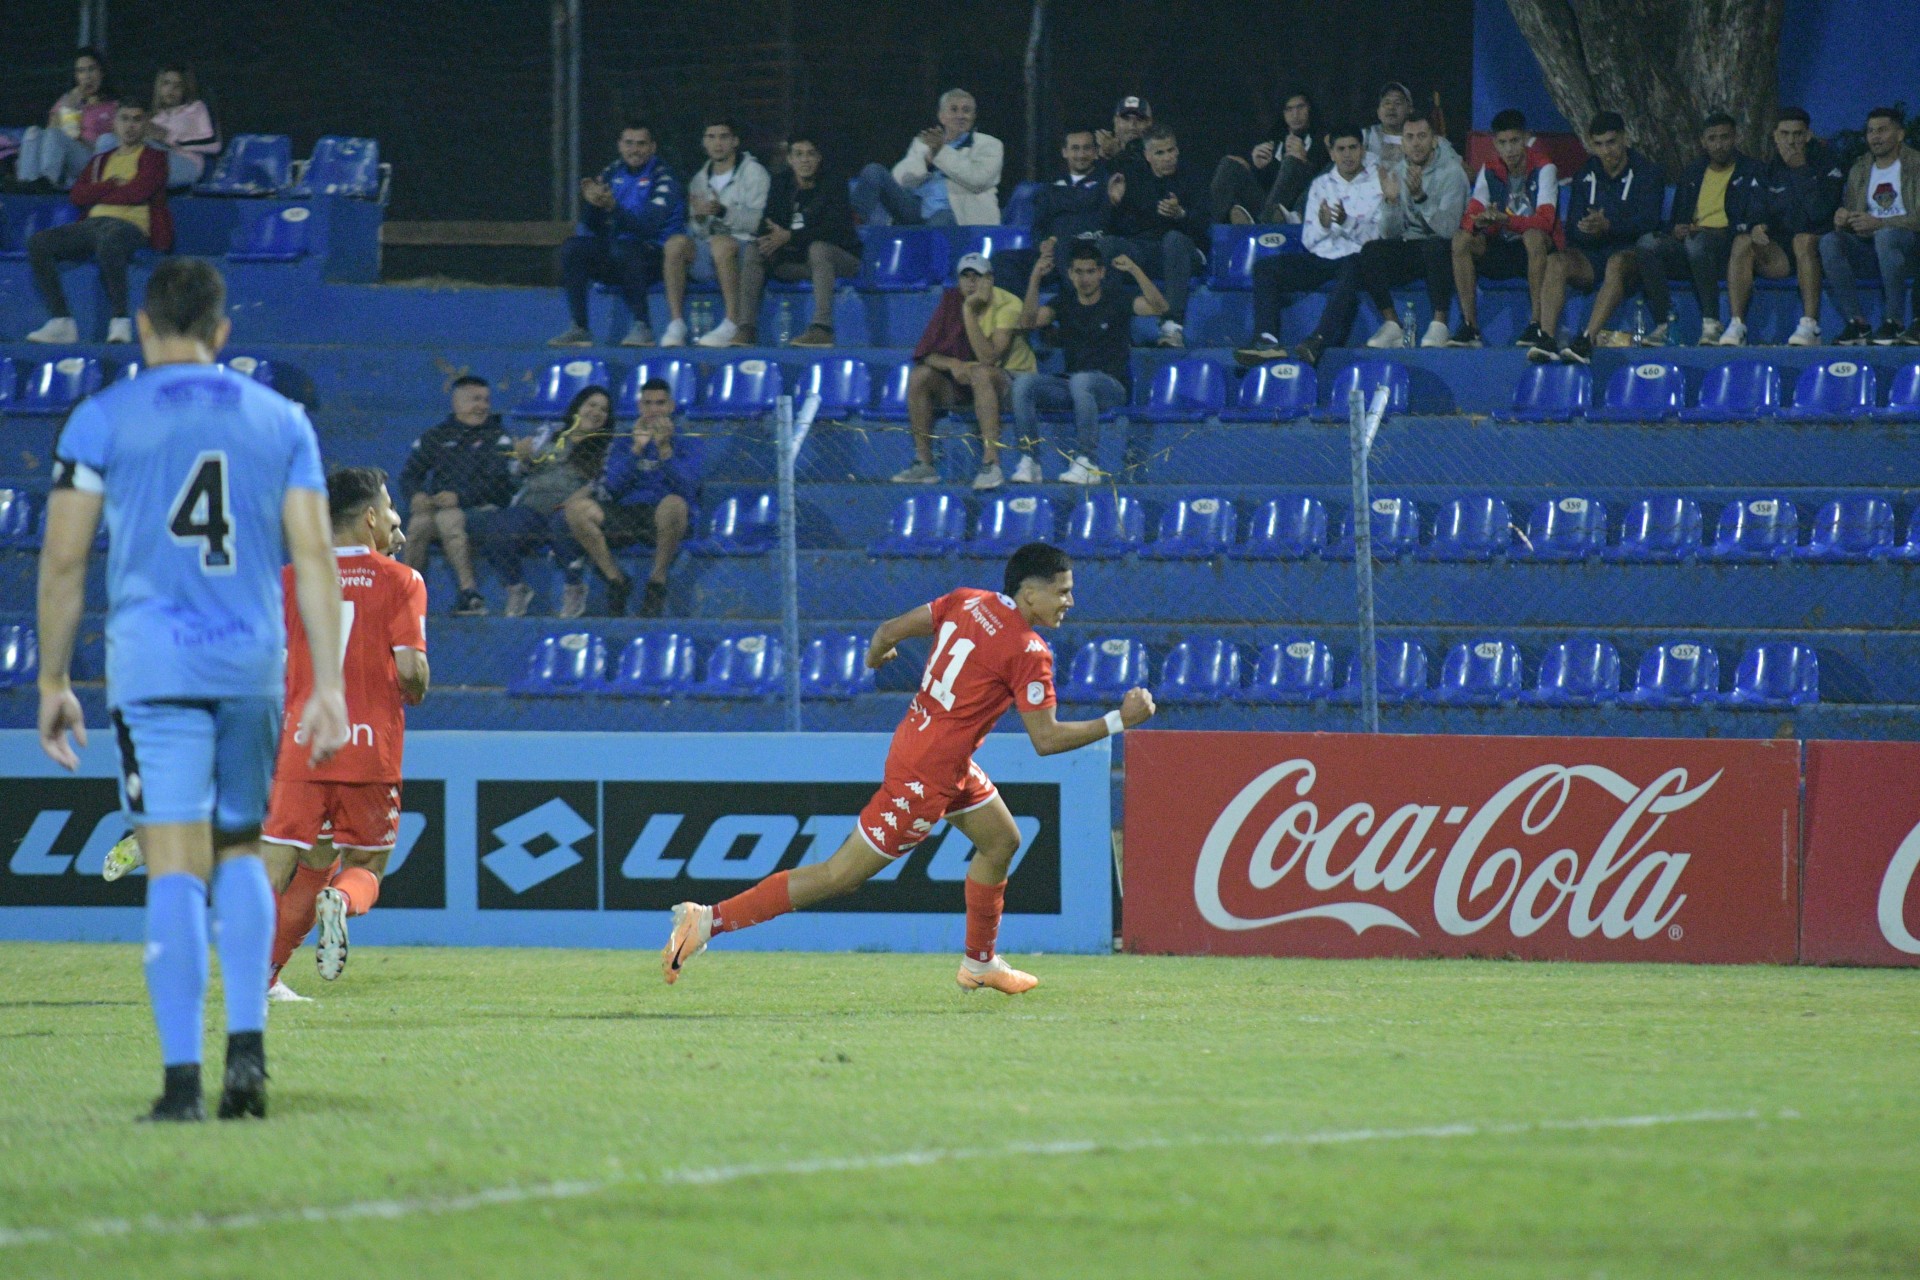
(383,607)
(985,658)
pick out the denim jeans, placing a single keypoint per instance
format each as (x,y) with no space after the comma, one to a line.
(1842,253)
(1088,395)
(1170,256)
(1701,257)
(879,200)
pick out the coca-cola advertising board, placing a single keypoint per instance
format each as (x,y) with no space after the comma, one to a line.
(1348,845)
(1862,883)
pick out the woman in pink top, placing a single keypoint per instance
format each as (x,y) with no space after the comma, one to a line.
(82,116)
(181,125)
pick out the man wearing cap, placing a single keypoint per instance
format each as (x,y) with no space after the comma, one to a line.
(1124,146)
(1383,139)
(1158,217)
(949,176)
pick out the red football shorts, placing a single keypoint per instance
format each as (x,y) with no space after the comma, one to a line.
(905,809)
(353,815)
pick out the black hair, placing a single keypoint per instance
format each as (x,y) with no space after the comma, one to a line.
(1606,122)
(588,455)
(1794,113)
(1417,114)
(1511,118)
(1340,131)
(1086,249)
(581,396)
(351,490)
(100,60)
(637,122)
(469,380)
(658,384)
(1072,129)
(186,298)
(1159,133)
(1717,118)
(1035,560)
(721,121)
(131,102)
(1894,114)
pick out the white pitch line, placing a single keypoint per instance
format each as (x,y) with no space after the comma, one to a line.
(492,1197)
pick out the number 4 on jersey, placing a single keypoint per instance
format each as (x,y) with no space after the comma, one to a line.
(199,513)
(941,690)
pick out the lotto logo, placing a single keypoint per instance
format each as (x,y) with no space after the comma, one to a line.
(539,849)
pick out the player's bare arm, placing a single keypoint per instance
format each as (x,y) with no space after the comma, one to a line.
(883,648)
(410,666)
(1051,737)
(317,591)
(72,516)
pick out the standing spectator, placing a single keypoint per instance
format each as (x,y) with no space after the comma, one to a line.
(554,465)
(972,350)
(1382,139)
(1092,327)
(181,126)
(629,212)
(1423,195)
(1714,196)
(1066,209)
(458,476)
(726,202)
(1616,200)
(807,233)
(124,192)
(1877,220)
(1159,219)
(949,176)
(1269,185)
(1510,228)
(1343,213)
(1124,146)
(80,118)
(1797,193)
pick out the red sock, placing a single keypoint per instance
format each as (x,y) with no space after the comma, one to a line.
(985,902)
(757,905)
(295,910)
(360,887)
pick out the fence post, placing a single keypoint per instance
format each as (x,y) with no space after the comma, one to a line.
(1362,422)
(786,446)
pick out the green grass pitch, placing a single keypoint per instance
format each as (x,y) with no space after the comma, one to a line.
(480,1113)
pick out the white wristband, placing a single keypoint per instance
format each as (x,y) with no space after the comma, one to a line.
(1115,725)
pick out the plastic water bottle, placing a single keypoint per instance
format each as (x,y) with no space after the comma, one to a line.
(1639,324)
(700,318)
(1406,324)
(783,331)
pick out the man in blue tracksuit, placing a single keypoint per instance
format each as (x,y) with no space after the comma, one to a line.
(1793,199)
(628,212)
(1616,199)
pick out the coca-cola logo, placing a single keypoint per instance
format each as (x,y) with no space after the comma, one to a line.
(1623,886)
(1893,895)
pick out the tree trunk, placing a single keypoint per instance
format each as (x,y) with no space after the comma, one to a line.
(1662,64)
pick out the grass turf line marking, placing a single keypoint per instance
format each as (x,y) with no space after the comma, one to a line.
(391,1210)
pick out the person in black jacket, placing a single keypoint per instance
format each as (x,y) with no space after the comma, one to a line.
(1616,200)
(1270,184)
(458,476)
(1071,207)
(1711,202)
(1795,195)
(1158,217)
(807,233)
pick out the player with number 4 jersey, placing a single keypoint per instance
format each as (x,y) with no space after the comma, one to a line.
(987,656)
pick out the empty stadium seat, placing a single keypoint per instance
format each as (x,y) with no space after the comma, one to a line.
(274,237)
(1292,671)
(1187,390)
(1577,673)
(739,389)
(891,405)
(1291,528)
(842,383)
(1856,529)
(1903,396)
(1105,524)
(555,386)
(1236,248)
(19,655)
(835,667)
(678,372)
(1394,527)
(128,371)
(341,167)
(1775,676)
(743,666)
(1194,529)
(1480,673)
(9,382)
(741,525)
(1907,552)
(571,663)
(1658,531)
(1681,673)
(1205,670)
(1564,529)
(19,519)
(902,259)
(925,524)
(1103,670)
(13,242)
(1833,391)
(1644,391)
(261,371)
(1007,524)
(253,164)
(1368,376)
(1019,207)
(1279,391)
(655,664)
(1550,393)
(1476,528)
(51,389)
(1737,391)
(1400,673)
(987,241)
(1756,529)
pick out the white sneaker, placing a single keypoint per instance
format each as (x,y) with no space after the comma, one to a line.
(281,993)
(120,329)
(988,477)
(58,329)
(676,335)
(573,600)
(1437,334)
(1172,334)
(519,596)
(1389,334)
(1734,336)
(1081,472)
(1710,331)
(721,335)
(1805,334)
(330,914)
(1027,472)
(122,858)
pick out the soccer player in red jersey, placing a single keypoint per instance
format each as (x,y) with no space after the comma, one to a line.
(330,827)
(986,657)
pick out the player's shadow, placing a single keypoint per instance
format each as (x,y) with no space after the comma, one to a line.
(646,1015)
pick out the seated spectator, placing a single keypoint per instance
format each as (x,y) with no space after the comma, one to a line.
(1714,196)
(181,126)
(1091,325)
(647,494)
(949,176)
(628,213)
(1616,199)
(1877,219)
(1068,208)
(806,233)
(458,476)
(1511,226)
(80,117)
(124,192)
(1382,138)
(1422,195)
(1343,213)
(971,351)
(1796,193)
(554,465)
(1158,218)
(726,202)
(1124,145)
(1268,186)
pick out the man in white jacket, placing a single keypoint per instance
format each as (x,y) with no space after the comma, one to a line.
(725,202)
(949,176)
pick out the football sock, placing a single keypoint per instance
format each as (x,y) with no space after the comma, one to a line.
(243,908)
(296,910)
(176,964)
(360,887)
(761,903)
(985,902)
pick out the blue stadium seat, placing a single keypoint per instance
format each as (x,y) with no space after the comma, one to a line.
(129,371)
(742,525)
(9,382)
(1907,552)
(1480,673)
(261,371)
(925,524)
(1564,529)
(1903,397)
(1550,393)
(1236,248)
(1476,528)
(341,167)
(557,384)
(678,372)
(1105,525)
(1368,376)
(13,244)
(987,241)
(1292,528)
(842,383)
(1853,530)
(19,519)
(272,237)
(1756,529)
(1194,529)
(1292,671)
(1774,677)
(1658,531)
(1280,391)
(51,389)
(1834,391)
(1737,391)
(835,666)
(1395,527)
(891,405)
(1682,673)
(1644,391)
(902,259)
(1577,673)
(740,389)
(571,663)
(1205,670)
(1019,207)
(1400,670)
(743,666)
(1187,390)
(655,664)
(1007,524)
(253,164)
(19,655)
(1103,670)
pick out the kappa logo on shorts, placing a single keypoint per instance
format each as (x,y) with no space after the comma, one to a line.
(917,789)
(902,803)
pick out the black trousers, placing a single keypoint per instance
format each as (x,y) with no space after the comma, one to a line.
(1385,265)
(111,242)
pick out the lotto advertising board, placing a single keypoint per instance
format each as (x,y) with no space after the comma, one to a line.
(588,839)
(1537,848)
(1862,884)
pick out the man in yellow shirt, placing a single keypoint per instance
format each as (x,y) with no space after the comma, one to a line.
(969,353)
(1718,197)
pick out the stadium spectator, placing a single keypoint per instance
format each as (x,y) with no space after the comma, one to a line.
(1616,199)
(458,476)
(1124,146)
(726,202)
(1382,138)
(56,153)
(181,126)
(971,351)
(1714,196)
(806,233)
(1091,325)
(1158,218)
(1269,184)
(950,175)
(646,495)
(1422,197)
(1876,221)
(554,465)
(1069,208)
(1511,226)
(1343,213)
(629,212)
(1796,193)
(124,192)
